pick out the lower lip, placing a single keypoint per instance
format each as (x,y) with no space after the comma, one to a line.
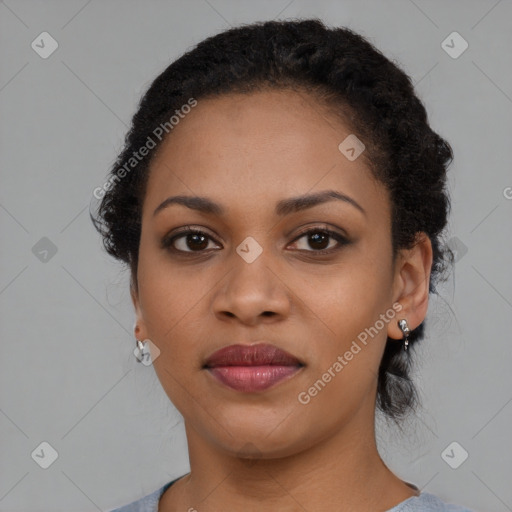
(252,378)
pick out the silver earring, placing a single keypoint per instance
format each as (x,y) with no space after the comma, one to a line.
(405,331)
(141,350)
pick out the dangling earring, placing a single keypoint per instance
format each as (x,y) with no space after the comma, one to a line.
(405,331)
(141,350)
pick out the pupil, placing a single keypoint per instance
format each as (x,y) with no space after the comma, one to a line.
(203,244)
(319,238)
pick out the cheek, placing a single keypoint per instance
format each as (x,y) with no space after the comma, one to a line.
(167,292)
(349,298)
(169,305)
(349,303)
(344,365)
(168,298)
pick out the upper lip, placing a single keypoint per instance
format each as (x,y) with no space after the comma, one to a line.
(251,355)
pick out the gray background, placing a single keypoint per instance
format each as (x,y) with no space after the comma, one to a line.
(68,375)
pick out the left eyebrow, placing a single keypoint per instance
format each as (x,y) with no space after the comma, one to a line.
(295,204)
(283,207)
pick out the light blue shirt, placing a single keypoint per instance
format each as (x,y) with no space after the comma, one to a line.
(425,502)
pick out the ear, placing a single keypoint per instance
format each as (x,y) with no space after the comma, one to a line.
(139,328)
(411,284)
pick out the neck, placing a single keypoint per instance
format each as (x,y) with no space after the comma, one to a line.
(342,471)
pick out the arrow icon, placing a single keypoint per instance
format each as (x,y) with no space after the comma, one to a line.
(40,45)
(452,45)
(44,252)
(452,454)
(352,150)
(246,249)
(40,456)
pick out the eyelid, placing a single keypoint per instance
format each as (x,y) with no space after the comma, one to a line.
(322,226)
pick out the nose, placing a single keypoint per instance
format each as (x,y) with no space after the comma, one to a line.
(252,293)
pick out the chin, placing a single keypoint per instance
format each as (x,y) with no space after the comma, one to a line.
(248,435)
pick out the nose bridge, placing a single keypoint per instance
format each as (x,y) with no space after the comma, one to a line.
(254,276)
(252,287)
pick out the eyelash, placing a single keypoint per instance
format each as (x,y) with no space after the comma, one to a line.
(167,242)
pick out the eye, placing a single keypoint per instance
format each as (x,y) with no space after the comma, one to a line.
(189,240)
(322,240)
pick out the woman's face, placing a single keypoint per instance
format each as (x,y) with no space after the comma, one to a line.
(253,275)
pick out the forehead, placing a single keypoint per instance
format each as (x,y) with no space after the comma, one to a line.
(279,119)
(264,144)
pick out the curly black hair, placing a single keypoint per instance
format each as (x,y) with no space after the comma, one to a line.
(356,82)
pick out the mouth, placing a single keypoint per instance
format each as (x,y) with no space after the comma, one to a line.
(252,368)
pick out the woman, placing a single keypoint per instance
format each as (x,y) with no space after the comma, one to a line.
(280,202)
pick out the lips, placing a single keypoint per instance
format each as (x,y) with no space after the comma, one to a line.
(251,355)
(252,368)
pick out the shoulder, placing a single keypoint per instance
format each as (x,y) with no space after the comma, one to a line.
(426,502)
(148,503)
